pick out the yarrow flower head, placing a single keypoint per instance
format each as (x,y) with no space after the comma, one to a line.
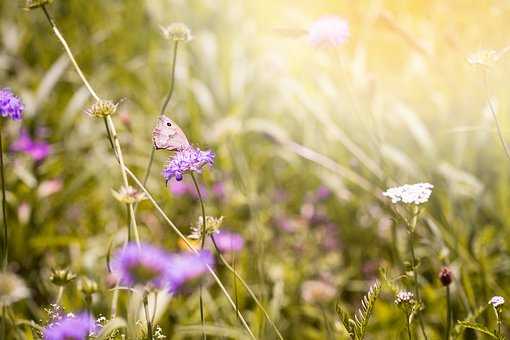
(186,267)
(37,149)
(12,289)
(78,327)
(10,105)
(497,301)
(141,265)
(228,241)
(404,297)
(102,108)
(177,31)
(410,193)
(328,31)
(189,159)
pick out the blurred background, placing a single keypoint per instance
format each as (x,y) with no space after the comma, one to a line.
(306,139)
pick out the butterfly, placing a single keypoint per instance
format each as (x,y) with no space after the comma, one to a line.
(168,135)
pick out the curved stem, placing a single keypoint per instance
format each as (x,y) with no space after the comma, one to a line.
(202,243)
(5,243)
(190,247)
(495,116)
(163,109)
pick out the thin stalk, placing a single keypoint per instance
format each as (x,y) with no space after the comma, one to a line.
(4,324)
(448,314)
(494,115)
(202,244)
(5,243)
(247,287)
(412,227)
(190,247)
(147,317)
(60,293)
(408,327)
(163,109)
(110,127)
(326,323)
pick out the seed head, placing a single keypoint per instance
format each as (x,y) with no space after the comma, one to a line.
(61,277)
(102,108)
(177,31)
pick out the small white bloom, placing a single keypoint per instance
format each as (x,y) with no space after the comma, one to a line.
(12,289)
(410,193)
(497,301)
(404,297)
(328,31)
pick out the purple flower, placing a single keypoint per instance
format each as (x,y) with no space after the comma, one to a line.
(186,267)
(141,264)
(228,241)
(36,149)
(322,193)
(189,159)
(10,105)
(328,31)
(184,188)
(71,327)
(218,190)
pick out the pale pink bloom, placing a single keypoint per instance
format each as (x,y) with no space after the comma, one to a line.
(328,31)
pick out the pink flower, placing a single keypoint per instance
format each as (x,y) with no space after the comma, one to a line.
(328,31)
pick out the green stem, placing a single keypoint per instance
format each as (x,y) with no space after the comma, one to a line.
(147,317)
(163,109)
(60,293)
(4,324)
(412,228)
(5,243)
(408,327)
(448,314)
(326,323)
(202,244)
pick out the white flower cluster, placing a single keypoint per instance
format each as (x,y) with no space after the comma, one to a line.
(410,193)
(497,301)
(404,297)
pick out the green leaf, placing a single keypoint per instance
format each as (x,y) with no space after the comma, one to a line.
(110,327)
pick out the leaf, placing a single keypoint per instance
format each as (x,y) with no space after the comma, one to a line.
(363,314)
(110,327)
(477,327)
(346,320)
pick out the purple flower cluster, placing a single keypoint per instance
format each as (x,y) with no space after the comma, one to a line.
(10,105)
(77,327)
(228,241)
(37,149)
(189,159)
(148,265)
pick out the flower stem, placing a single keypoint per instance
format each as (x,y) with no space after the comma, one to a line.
(202,244)
(163,109)
(147,317)
(412,227)
(5,243)
(448,314)
(408,327)
(190,247)
(60,293)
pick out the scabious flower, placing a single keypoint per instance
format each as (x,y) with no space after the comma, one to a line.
(497,301)
(228,241)
(12,289)
(10,105)
(328,31)
(315,291)
(37,149)
(102,108)
(410,193)
(186,267)
(404,297)
(189,159)
(141,265)
(78,327)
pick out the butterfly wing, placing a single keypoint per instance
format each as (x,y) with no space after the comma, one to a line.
(168,135)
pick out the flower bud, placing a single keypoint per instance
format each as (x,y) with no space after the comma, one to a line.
(102,108)
(88,286)
(445,276)
(61,277)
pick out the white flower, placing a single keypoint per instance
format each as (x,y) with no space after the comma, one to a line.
(404,297)
(410,193)
(497,301)
(12,289)
(328,31)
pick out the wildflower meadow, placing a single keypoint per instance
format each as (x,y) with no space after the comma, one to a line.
(253,169)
